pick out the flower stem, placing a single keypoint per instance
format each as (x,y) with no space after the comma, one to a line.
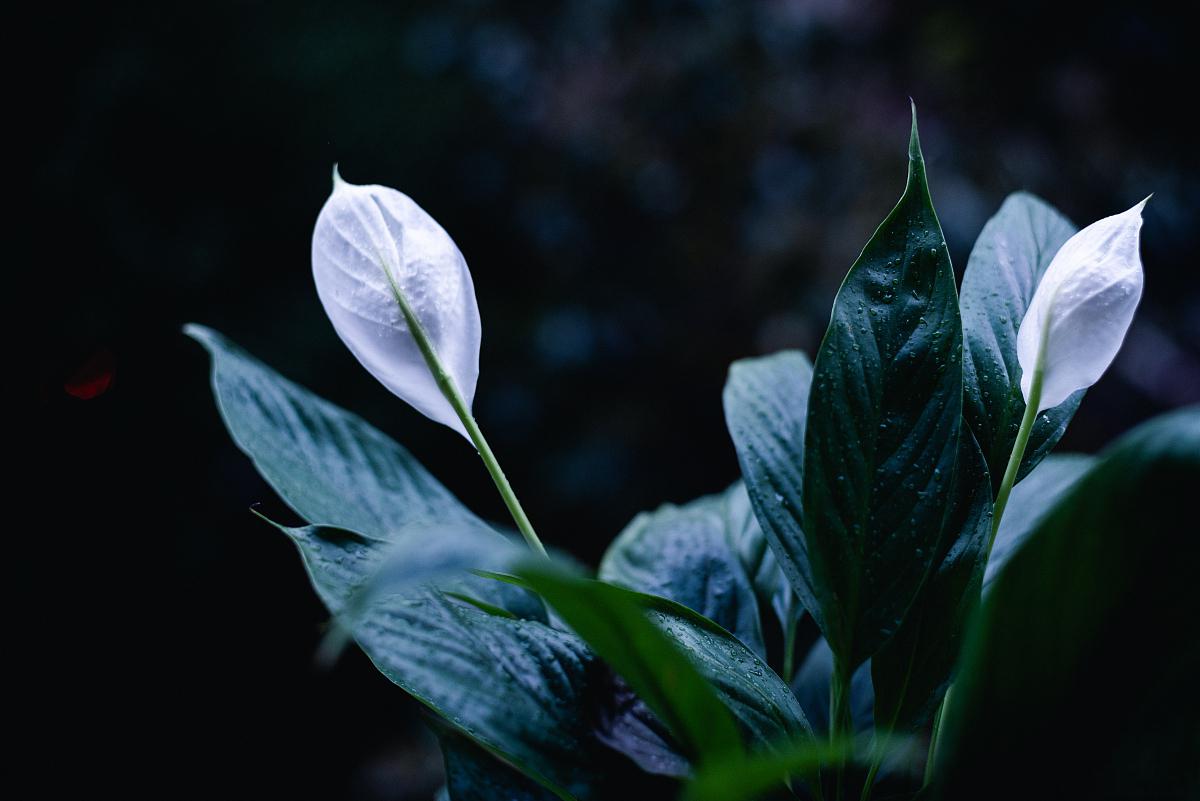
(501,481)
(840,726)
(789,648)
(1018,452)
(935,735)
(450,389)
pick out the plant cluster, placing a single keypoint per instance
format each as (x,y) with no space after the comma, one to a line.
(974,592)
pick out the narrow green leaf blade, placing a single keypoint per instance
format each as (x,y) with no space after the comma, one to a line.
(754,775)
(329,465)
(1008,260)
(911,672)
(1079,673)
(614,624)
(883,422)
(688,554)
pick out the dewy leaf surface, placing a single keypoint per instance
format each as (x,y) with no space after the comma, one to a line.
(883,421)
(520,689)
(689,670)
(472,774)
(614,624)
(1078,677)
(766,409)
(688,554)
(327,464)
(1006,264)
(911,672)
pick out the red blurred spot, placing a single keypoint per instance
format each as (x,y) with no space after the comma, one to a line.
(94,378)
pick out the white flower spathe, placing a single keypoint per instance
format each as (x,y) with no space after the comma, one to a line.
(1082,308)
(372,244)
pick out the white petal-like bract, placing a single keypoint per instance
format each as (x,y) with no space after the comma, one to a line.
(1082,308)
(363,235)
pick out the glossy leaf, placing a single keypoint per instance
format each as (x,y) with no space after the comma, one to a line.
(612,621)
(328,464)
(472,774)
(1030,501)
(1079,673)
(520,689)
(628,725)
(766,409)
(688,554)
(911,672)
(883,422)
(695,676)
(1003,272)
(442,556)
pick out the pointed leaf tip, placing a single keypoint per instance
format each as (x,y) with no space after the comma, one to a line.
(914,140)
(200,333)
(338,181)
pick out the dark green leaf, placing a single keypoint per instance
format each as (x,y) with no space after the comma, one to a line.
(1006,264)
(472,774)
(812,687)
(883,422)
(766,406)
(1078,677)
(689,670)
(1030,501)
(326,463)
(911,672)
(615,625)
(520,689)
(749,777)
(629,726)
(688,554)
(351,571)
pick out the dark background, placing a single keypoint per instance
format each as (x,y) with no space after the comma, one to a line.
(644,191)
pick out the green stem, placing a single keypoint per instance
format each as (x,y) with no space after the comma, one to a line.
(449,388)
(841,728)
(789,648)
(866,791)
(935,736)
(493,467)
(1018,452)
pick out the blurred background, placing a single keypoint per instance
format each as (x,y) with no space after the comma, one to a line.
(645,191)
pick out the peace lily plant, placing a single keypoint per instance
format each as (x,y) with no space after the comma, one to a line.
(898,491)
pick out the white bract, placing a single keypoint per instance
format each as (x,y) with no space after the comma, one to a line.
(375,252)
(1082,308)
